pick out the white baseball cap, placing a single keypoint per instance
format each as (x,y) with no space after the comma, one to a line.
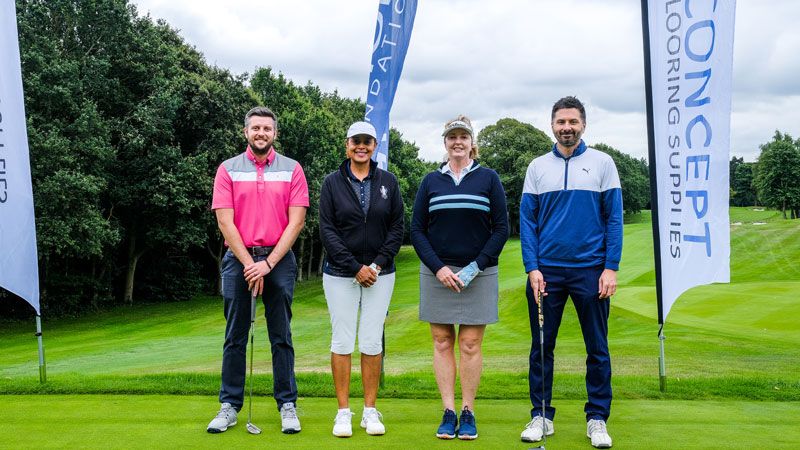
(362,128)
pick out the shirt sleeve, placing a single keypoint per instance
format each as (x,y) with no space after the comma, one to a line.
(223,189)
(529,221)
(611,198)
(299,190)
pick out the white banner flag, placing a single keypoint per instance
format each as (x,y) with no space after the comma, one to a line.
(19,269)
(691,54)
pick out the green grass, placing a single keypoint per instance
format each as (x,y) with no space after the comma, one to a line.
(732,346)
(494,385)
(738,340)
(110,422)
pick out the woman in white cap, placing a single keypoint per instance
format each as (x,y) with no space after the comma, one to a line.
(361,227)
(459,227)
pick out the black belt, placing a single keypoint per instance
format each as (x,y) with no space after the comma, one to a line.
(260,251)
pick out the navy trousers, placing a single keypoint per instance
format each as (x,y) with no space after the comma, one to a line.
(277,299)
(580,284)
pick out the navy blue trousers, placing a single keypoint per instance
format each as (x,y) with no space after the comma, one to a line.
(580,284)
(277,299)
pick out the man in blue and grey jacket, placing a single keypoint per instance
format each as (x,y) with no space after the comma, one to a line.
(571,234)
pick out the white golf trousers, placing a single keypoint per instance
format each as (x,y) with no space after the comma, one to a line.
(344,298)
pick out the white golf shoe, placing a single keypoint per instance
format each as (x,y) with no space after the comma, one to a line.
(597,432)
(533,430)
(290,424)
(371,421)
(342,424)
(226,417)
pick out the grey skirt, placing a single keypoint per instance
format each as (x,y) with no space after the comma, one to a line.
(475,305)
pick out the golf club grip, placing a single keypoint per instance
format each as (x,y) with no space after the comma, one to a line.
(253,297)
(539,306)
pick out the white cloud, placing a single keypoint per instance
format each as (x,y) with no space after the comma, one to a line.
(509,59)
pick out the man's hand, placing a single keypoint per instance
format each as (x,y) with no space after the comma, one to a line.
(536,279)
(366,277)
(449,279)
(257,285)
(607,285)
(256,271)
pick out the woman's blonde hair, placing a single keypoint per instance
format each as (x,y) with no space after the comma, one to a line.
(454,124)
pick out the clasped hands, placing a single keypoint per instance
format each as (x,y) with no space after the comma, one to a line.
(458,281)
(367,275)
(254,274)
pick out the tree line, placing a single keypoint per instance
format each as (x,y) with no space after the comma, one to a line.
(773,180)
(127,125)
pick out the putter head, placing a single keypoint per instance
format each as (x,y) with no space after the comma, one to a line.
(252,429)
(541,447)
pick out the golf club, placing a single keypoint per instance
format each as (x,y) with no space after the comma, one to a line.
(251,428)
(541,353)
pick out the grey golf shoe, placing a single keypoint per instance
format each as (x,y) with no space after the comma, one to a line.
(343,424)
(226,417)
(290,424)
(372,421)
(597,432)
(533,430)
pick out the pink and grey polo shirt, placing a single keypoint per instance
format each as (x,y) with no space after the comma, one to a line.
(260,194)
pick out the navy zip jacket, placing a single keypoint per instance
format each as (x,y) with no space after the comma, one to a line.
(351,238)
(455,224)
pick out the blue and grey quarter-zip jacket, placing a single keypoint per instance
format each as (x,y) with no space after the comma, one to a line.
(571,211)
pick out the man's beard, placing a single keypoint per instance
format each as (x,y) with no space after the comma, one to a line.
(260,151)
(570,141)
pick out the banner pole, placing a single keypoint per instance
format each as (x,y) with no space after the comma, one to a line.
(651,144)
(662,365)
(42,365)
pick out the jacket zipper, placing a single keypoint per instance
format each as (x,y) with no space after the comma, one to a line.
(372,184)
(358,206)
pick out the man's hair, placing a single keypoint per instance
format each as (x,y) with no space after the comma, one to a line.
(260,111)
(473,153)
(567,103)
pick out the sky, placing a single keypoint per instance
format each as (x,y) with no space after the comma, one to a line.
(508,59)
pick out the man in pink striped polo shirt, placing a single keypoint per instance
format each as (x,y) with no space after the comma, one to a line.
(260,200)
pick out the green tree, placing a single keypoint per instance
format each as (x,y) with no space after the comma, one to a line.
(67,49)
(633,177)
(508,147)
(776,177)
(127,124)
(741,183)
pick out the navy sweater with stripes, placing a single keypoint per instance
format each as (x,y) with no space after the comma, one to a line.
(455,224)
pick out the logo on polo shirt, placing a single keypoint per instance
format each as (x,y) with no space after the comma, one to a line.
(384,192)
